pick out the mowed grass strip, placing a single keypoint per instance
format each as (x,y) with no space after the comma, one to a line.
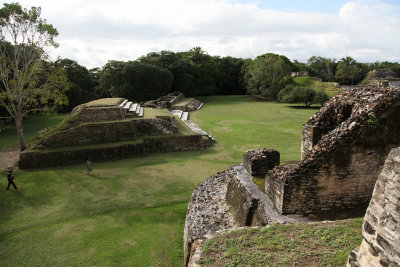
(130,212)
(316,244)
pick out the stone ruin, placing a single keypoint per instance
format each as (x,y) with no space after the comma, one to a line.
(344,147)
(172,102)
(381,228)
(165,101)
(110,129)
(259,162)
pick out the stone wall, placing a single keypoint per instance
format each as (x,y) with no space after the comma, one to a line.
(381,229)
(207,211)
(176,143)
(344,147)
(248,205)
(36,159)
(100,114)
(65,156)
(259,162)
(108,132)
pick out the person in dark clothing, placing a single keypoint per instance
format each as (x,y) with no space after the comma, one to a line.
(10,178)
(88,165)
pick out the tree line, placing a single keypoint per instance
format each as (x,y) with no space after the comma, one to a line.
(195,73)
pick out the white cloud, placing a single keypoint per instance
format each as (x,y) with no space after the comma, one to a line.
(93,32)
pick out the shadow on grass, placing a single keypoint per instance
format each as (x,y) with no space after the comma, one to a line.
(304,107)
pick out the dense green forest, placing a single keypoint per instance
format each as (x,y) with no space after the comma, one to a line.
(196,73)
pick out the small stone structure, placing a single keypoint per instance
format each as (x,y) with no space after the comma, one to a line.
(259,162)
(381,229)
(300,74)
(165,101)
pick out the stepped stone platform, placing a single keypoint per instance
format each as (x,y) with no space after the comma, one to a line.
(110,128)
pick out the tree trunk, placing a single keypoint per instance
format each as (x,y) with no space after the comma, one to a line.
(20,131)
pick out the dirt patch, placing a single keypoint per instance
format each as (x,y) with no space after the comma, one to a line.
(9,158)
(129,243)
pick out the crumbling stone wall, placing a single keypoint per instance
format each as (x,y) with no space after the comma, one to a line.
(381,229)
(164,101)
(259,162)
(344,148)
(207,211)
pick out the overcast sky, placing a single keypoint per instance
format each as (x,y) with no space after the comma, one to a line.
(95,31)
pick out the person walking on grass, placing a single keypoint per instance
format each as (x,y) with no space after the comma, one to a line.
(88,166)
(10,178)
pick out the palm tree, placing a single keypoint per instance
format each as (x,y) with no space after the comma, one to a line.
(197,54)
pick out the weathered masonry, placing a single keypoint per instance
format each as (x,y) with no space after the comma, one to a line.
(381,229)
(343,150)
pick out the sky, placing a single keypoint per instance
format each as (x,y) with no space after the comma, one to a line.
(95,31)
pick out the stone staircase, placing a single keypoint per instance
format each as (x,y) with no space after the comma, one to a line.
(183,115)
(131,109)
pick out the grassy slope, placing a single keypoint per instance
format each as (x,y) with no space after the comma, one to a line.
(131,212)
(328,87)
(317,244)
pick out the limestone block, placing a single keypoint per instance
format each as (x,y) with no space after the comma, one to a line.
(381,229)
(259,162)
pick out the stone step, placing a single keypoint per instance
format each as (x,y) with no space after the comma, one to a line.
(141,112)
(123,103)
(185,116)
(127,105)
(176,112)
(133,107)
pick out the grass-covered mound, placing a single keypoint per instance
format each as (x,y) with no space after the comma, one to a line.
(312,83)
(131,212)
(316,244)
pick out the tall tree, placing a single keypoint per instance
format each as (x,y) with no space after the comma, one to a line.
(24,36)
(267,75)
(82,86)
(348,71)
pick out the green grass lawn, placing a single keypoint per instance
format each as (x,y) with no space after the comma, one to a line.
(300,244)
(131,212)
(9,137)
